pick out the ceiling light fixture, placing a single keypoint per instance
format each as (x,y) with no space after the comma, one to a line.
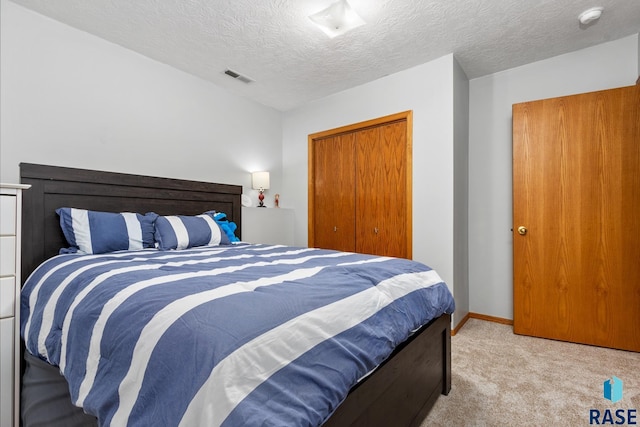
(590,15)
(337,19)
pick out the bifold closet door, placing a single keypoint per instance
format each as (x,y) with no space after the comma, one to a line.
(381,190)
(334,192)
(360,190)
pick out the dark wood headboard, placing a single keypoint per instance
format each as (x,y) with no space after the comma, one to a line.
(53,187)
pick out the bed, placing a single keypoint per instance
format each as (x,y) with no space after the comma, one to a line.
(397,383)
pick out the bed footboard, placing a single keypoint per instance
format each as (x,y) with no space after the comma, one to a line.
(403,390)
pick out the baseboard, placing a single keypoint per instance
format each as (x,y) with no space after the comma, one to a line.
(491,318)
(459,325)
(494,319)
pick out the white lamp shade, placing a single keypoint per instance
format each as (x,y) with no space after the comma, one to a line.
(260,180)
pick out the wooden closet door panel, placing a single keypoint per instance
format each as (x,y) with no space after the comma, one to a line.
(381,190)
(334,190)
(576,187)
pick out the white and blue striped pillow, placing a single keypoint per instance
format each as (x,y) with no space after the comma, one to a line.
(182,232)
(93,232)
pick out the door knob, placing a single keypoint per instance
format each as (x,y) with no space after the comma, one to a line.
(522,230)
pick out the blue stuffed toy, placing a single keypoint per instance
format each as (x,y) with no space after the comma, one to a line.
(227,226)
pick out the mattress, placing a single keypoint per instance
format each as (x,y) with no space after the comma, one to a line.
(226,335)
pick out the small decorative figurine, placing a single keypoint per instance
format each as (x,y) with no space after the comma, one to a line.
(277,201)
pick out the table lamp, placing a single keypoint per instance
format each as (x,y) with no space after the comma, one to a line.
(260,182)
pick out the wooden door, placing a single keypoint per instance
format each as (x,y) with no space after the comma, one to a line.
(576,189)
(381,188)
(380,153)
(334,192)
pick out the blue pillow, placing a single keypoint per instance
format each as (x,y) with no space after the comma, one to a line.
(93,232)
(227,226)
(182,232)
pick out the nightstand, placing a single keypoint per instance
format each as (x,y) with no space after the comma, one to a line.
(10,282)
(273,226)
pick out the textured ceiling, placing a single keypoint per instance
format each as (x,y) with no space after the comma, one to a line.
(292,62)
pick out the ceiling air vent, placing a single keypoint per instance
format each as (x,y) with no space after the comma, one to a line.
(238,76)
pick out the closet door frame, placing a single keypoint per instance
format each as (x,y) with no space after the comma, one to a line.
(407,117)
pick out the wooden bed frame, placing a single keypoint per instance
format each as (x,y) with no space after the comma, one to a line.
(400,392)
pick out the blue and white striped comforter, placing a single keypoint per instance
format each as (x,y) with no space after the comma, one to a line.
(226,335)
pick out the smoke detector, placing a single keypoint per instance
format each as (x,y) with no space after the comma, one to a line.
(590,15)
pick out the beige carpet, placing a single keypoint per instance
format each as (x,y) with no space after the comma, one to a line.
(503,379)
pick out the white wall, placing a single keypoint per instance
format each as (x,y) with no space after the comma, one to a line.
(605,66)
(71,99)
(428,91)
(461,189)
